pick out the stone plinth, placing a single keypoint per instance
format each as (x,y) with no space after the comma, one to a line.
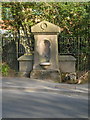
(53,75)
(67,63)
(25,65)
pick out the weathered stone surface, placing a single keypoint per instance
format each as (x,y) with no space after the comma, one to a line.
(46,75)
(67,63)
(25,58)
(67,67)
(46,51)
(45,27)
(39,54)
(25,64)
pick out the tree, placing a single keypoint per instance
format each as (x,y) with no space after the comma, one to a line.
(72,17)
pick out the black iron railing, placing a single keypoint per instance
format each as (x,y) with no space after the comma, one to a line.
(76,46)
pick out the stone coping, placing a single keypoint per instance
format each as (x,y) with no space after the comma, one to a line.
(25,57)
(66,58)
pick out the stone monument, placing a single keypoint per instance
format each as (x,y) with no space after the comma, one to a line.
(46,64)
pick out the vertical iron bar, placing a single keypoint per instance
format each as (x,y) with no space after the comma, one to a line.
(78,41)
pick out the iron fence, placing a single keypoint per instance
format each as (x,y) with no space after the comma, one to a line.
(78,47)
(12,48)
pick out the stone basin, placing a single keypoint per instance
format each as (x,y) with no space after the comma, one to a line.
(45,65)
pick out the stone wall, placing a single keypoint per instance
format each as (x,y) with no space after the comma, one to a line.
(67,66)
(67,63)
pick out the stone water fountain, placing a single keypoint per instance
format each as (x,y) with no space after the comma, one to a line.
(46,64)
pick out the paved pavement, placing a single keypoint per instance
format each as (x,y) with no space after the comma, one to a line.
(43,86)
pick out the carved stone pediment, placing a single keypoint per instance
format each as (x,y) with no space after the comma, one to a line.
(45,27)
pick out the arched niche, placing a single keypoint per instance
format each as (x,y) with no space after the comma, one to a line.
(47,50)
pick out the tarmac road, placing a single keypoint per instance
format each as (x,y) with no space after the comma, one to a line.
(18,104)
(25,98)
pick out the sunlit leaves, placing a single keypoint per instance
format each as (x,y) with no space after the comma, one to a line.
(68,15)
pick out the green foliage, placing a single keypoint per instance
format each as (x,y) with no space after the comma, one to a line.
(4,68)
(72,17)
